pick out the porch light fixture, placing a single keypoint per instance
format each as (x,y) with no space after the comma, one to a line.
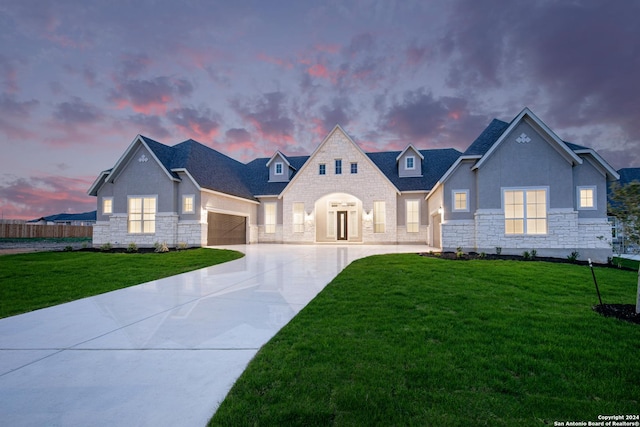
(308,216)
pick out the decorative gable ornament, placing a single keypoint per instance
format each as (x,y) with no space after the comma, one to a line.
(143,159)
(523,139)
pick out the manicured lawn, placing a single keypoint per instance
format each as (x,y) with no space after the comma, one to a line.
(407,340)
(627,263)
(36,280)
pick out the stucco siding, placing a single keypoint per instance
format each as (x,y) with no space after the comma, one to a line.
(525,164)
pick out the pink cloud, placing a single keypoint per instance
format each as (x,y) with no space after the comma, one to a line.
(277,61)
(34,197)
(150,96)
(202,125)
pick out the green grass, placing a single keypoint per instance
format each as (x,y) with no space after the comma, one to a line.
(626,263)
(37,280)
(408,340)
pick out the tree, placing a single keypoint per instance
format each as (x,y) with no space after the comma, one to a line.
(625,206)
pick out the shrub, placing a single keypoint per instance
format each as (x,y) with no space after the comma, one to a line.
(482,255)
(498,250)
(106,247)
(68,248)
(534,254)
(573,256)
(161,247)
(459,252)
(132,247)
(182,246)
(526,256)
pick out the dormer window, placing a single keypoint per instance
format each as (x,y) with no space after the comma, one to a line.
(279,168)
(410,162)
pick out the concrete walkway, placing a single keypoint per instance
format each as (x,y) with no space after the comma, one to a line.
(164,353)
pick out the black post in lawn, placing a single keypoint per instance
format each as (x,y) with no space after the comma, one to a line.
(595,281)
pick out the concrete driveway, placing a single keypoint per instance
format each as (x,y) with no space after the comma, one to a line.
(163,353)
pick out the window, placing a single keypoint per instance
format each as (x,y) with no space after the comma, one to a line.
(322,170)
(460,200)
(354,168)
(410,162)
(269,218)
(107,206)
(586,197)
(142,215)
(378,217)
(298,217)
(525,211)
(188,204)
(413,216)
(338,167)
(279,168)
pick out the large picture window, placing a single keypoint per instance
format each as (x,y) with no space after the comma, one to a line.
(142,215)
(298,217)
(413,216)
(379,217)
(525,211)
(269,218)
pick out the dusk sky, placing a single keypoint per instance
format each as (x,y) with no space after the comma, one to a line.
(80,79)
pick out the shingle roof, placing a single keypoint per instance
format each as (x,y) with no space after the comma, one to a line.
(628,175)
(487,138)
(211,169)
(434,165)
(258,175)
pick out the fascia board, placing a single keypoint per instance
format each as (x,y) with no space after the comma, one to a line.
(93,190)
(126,158)
(406,149)
(601,162)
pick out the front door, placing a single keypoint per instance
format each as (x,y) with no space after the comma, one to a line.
(342,225)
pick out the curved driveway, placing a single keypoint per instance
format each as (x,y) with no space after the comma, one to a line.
(162,353)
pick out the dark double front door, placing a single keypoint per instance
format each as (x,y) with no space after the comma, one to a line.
(342,225)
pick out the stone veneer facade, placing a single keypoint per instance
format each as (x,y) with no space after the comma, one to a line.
(566,233)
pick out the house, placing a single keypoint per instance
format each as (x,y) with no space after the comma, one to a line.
(85,218)
(517,187)
(621,242)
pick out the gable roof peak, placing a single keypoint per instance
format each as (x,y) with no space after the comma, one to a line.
(408,147)
(277,154)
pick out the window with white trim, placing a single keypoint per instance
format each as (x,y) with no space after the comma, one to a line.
(298,217)
(410,162)
(142,215)
(279,168)
(269,218)
(379,217)
(354,168)
(107,205)
(338,166)
(586,197)
(413,216)
(322,169)
(460,200)
(525,211)
(188,204)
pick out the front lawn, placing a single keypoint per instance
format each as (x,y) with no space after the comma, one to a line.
(36,280)
(408,340)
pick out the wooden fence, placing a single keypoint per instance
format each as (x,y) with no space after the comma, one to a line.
(30,231)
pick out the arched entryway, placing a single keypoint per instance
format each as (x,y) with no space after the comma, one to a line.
(338,218)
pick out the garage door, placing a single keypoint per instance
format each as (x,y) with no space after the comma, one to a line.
(226,229)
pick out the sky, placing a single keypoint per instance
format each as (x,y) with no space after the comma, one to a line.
(80,79)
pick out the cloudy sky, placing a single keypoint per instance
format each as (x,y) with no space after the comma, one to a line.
(80,79)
